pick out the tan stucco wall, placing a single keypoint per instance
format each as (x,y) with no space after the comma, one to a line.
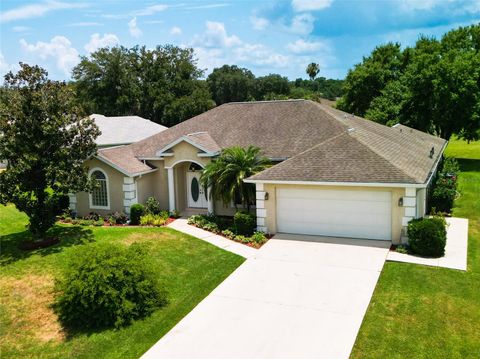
(185,152)
(145,186)
(115,189)
(397,212)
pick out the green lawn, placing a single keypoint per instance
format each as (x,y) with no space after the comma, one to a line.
(189,269)
(424,312)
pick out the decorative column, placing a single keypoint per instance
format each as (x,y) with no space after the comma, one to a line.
(261,211)
(171,189)
(129,193)
(210,208)
(410,210)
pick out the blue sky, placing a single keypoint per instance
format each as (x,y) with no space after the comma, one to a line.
(264,36)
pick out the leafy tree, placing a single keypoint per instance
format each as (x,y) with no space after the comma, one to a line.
(368,79)
(161,84)
(312,70)
(231,83)
(433,87)
(225,174)
(45,140)
(271,86)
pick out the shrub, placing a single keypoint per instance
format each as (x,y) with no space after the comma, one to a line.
(164,214)
(258,238)
(152,220)
(86,222)
(75,221)
(118,218)
(211,227)
(99,223)
(244,223)
(427,236)
(242,239)
(402,248)
(92,216)
(152,206)
(136,211)
(445,188)
(228,233)
(107,285)
(67,219)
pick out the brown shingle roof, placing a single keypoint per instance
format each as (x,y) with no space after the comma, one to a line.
(304,131)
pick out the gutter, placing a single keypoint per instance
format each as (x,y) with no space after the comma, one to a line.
(435,167)
(344,184)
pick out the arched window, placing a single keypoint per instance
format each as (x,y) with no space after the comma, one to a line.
(99,197)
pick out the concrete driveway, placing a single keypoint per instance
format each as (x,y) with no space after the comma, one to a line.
(299,297)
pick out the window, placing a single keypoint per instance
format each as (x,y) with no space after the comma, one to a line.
(99,196)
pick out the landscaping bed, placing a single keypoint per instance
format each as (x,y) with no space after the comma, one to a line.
(240,228)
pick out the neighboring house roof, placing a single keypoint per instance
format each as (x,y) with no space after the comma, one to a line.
(320,143)
(123,130)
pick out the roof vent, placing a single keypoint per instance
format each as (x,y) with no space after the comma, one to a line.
(351,129)
(432,152)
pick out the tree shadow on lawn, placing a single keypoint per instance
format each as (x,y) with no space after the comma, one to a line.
(469,165)
(69,236)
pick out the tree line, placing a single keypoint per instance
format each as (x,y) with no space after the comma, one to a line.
(166,86)
(433,86)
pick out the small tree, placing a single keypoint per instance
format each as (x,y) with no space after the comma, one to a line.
(312,70)
(45,140)
(225,174)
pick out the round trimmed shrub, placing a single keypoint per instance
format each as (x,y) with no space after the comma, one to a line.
(136,211)
(244,223)
(427,236)
(107,285)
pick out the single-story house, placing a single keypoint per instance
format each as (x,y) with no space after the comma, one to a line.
(124,130)
(334,174)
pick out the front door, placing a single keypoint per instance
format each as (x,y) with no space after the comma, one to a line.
(197,196)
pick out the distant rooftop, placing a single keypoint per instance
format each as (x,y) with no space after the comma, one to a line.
(123,130)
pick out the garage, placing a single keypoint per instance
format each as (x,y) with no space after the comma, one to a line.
(335,213)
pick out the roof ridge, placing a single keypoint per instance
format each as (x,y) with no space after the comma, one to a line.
(363,143)
(263,101)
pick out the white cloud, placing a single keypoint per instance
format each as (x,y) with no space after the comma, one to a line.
(96,42)
(150,10)
(302,24)
(216,36)
(259,54)
(37,10)
(301,46)
(175,30)
(215,48)
(259,23)
(59,48)
(20,28)
(310,5)
(133,28)
(84,24)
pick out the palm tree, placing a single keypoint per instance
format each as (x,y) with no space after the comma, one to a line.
(312,70)
(225,175)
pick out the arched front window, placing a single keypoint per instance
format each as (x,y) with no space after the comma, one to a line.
(99,196)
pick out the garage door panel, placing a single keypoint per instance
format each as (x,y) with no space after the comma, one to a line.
(343,213)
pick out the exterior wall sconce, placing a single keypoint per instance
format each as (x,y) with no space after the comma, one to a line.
(400,202)
(266,196)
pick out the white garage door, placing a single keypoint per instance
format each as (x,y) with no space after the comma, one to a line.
(336,213)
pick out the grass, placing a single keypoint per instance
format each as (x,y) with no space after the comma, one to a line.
(188,267)
(426,312)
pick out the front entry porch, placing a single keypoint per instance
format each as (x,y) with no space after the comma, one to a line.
(186,195)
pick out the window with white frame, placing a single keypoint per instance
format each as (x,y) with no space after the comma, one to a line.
(99,196)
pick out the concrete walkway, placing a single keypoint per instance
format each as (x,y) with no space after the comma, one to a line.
(455,250)
(181,225)
(298,297)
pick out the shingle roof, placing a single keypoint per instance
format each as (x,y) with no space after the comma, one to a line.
(123,130)
(350,148)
